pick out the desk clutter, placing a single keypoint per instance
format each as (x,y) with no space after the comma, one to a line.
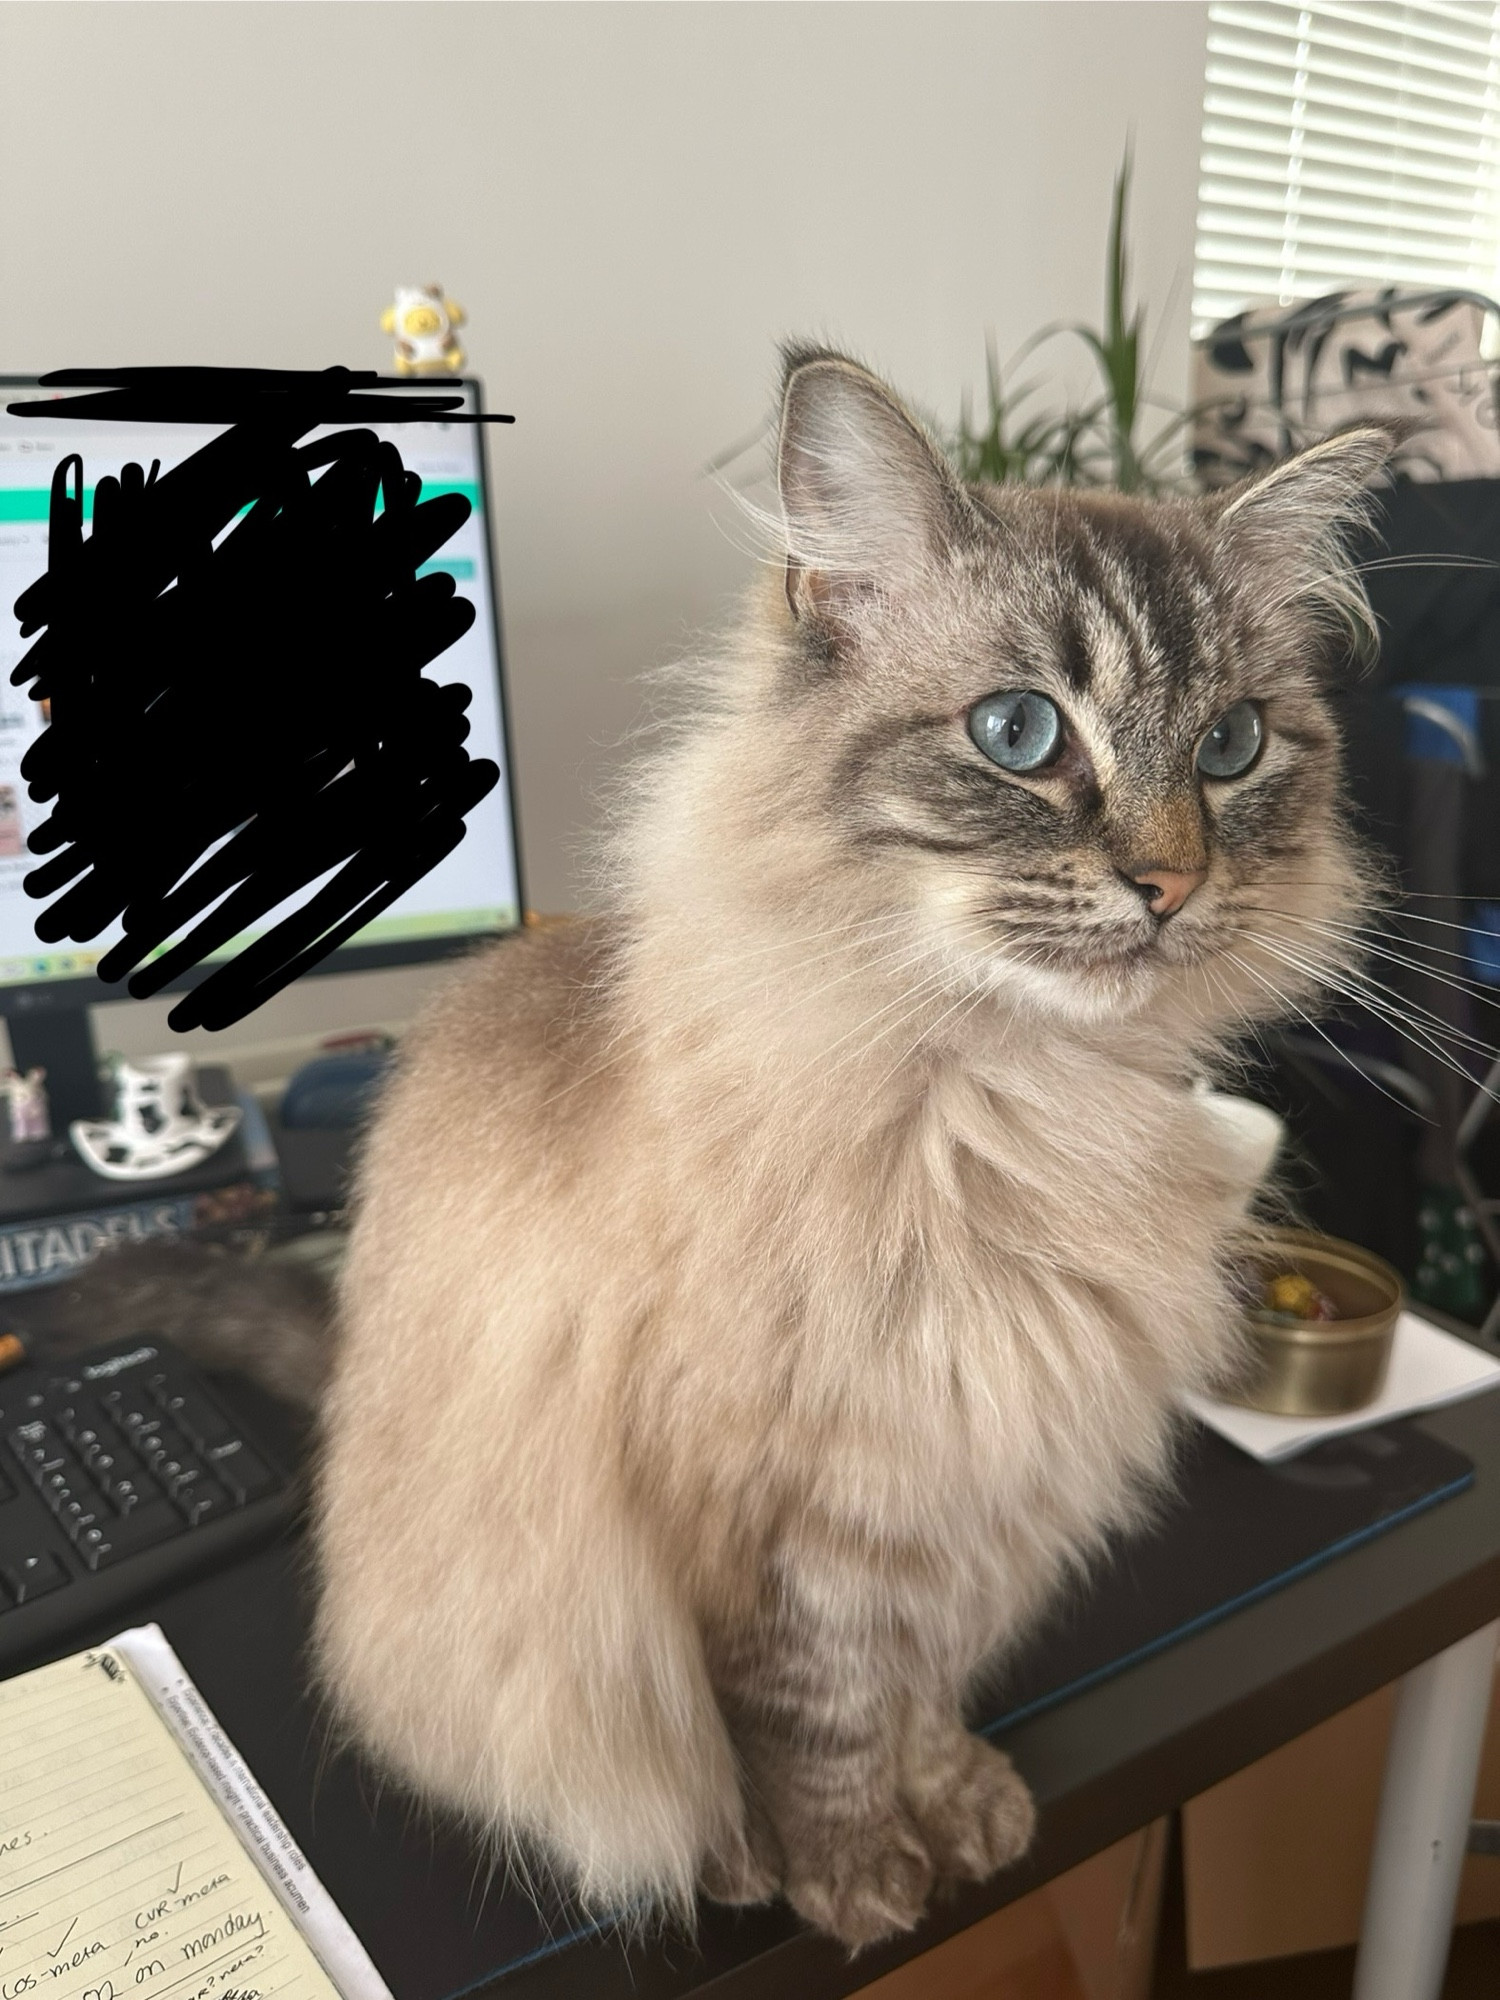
(1428,1368)
(121,1473)
(1239,1531)
(161,1126)
(138,1851)
(57,1214)
(239,1174)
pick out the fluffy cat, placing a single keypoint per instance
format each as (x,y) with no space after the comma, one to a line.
(804,1261)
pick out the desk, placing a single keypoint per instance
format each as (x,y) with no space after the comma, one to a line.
(1101,1764)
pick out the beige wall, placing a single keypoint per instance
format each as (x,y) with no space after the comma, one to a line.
(633,202)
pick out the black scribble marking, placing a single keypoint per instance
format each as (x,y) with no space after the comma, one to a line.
(238,704)
(64,1938)
(177,1879)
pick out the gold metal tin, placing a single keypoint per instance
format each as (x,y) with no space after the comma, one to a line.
(1322,1368)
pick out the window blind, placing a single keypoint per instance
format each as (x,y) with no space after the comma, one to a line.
(1347,145)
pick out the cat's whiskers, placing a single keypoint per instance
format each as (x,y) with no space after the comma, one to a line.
(1425,562)
(631,1040)
(922,993)
(964,1006)
(1350,983)
(1368,923)
(1393,1013)
(1383,900)
(1396,1014)
(1285,1002)
(1435,973)
(1356,932)
(1230,1005)
(885,920)
(1368,943)
(900,958)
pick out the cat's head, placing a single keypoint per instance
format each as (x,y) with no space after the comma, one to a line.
(1085,739)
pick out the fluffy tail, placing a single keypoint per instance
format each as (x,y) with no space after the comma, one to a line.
(266,1315)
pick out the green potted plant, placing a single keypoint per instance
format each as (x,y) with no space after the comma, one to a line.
(1098,443)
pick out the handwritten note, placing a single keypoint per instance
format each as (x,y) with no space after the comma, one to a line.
(120,1874)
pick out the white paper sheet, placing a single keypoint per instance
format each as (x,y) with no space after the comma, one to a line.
(119,1873)
(1428,1368)
(227,1777)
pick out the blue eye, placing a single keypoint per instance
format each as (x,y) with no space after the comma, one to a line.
(1233,744)
(1018,731)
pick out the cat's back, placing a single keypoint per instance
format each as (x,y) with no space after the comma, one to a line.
(511,1033)
(503,1086)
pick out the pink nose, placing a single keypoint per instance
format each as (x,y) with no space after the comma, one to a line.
(1169,889)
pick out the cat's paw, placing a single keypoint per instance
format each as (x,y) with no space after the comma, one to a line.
(746,1867)
(980,1818)
(861,1882)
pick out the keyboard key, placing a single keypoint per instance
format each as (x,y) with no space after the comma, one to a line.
(166,1443)
(112,1465)
(89,1440)
(193,1413)
(45,1467)
(131,1413)
(204,1500)
(127,1494)
(124,1464)
(75,1516)
(26,1577)
(110,1542)
(39,1449)
(246,1476)
(78,1420)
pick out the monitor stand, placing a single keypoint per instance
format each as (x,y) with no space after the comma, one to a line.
(58,1038)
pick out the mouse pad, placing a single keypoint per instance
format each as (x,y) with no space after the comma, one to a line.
(435,1909)
(1234,1530)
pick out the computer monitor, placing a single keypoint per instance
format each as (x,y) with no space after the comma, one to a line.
(475,892)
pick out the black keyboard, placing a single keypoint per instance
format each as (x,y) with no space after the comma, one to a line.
(118,1479)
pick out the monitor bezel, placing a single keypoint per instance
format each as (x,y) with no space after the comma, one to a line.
(89,990)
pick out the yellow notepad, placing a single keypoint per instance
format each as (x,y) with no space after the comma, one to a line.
(131,1862)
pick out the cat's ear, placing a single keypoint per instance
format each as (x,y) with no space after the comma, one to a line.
(1302,497)
(1291,524)
(869,504)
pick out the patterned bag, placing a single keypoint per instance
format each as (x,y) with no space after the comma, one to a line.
(1273,379)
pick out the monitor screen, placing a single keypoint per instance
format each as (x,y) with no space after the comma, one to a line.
(473,892)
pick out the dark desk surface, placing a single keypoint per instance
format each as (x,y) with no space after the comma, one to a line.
(1101,1764)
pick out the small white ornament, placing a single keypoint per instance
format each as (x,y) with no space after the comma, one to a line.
(161,1126)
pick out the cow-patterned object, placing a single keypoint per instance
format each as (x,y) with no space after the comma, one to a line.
(1272,380)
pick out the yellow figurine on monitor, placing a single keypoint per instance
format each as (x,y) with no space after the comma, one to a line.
(423,322)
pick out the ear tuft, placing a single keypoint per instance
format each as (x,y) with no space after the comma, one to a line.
(868,502)
(1294,521)
(1322,485)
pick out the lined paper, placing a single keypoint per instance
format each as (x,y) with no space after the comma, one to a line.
(119,1873)
(261,1829)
